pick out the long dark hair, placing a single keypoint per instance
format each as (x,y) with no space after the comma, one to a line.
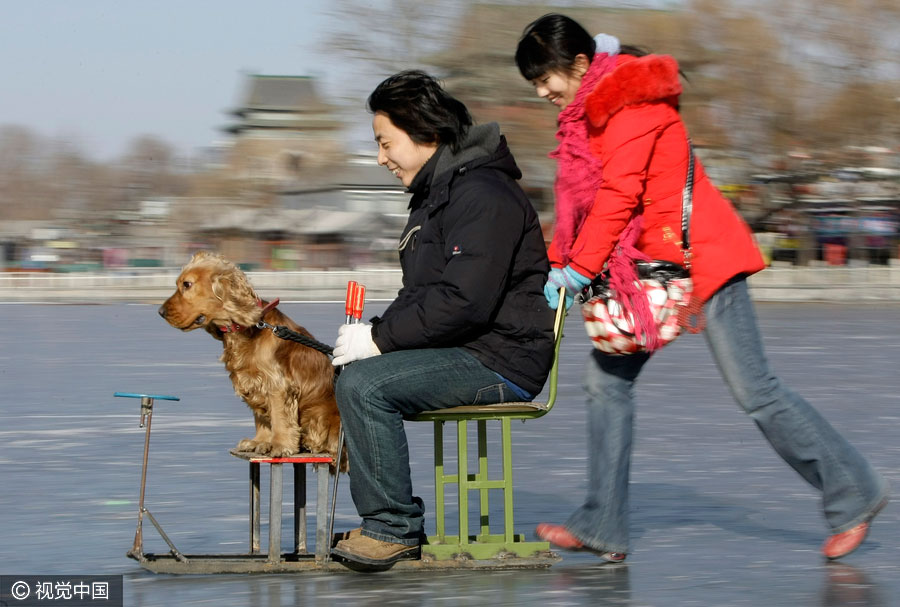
(417,104)
(551,44)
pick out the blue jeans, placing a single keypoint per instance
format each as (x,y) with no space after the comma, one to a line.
(851,488)
(374,395)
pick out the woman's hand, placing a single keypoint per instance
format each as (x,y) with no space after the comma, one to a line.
(564,277)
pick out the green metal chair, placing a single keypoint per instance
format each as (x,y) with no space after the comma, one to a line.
(484,545)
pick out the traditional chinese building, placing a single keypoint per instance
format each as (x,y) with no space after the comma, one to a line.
(283,132)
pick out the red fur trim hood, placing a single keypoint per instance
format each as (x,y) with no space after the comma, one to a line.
(634,80)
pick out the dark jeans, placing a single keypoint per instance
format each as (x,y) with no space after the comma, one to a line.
(374,396)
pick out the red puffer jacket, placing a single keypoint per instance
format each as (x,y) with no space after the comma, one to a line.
(643,146)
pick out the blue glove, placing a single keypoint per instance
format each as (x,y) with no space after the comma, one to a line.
(565,277)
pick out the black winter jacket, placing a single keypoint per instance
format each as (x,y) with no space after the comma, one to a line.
(474,264)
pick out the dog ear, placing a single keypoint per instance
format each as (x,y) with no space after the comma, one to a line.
(239,301)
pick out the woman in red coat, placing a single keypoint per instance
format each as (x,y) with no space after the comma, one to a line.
(623,154)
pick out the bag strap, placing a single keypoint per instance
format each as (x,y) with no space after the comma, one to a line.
(687,207)
(691,317)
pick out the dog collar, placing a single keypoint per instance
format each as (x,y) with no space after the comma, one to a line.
(235,328)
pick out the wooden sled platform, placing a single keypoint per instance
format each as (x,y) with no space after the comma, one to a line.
(193,564)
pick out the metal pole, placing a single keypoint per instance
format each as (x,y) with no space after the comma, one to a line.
(254,508)
(275,497)
(353,308)
(300,508)
(137,549)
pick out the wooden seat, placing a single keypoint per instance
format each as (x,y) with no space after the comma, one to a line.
(484,544)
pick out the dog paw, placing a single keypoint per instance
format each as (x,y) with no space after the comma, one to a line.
(281,450)
(252,446)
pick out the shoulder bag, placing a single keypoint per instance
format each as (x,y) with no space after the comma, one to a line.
(644,311)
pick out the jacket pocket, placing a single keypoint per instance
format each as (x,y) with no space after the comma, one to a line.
(409,238)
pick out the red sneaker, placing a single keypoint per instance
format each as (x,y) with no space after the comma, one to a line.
(560,536)
(842,544)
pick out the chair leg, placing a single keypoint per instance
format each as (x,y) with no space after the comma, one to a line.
(323,542)
(275,495)
(506,443)
(462,447)
(299,508)
(482,477)
(483,545)
(439,481)
(254,508)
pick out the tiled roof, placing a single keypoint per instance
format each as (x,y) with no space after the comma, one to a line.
(283,93)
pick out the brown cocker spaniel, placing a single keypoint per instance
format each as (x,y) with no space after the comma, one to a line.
(288,386)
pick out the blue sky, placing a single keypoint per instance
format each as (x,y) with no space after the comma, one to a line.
(101,72)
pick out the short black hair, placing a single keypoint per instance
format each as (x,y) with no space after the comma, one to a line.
(551,44)
(417,104)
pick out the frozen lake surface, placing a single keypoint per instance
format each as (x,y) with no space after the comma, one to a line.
(717,518)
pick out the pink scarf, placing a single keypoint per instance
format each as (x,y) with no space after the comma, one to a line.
(623,279)
(578,174)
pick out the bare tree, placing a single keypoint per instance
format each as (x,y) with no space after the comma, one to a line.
(150,168)
(24,179)
(80,187)
(831,75)
(391,35)
(376,38)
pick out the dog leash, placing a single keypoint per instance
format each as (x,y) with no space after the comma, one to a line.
(286,333)
(289,334)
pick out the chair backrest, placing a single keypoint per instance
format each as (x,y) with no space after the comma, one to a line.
(558,325)
(513,410)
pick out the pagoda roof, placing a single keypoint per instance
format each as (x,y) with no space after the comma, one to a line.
(282,94)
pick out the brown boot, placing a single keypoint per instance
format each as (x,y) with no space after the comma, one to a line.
(346,535)
(369,551)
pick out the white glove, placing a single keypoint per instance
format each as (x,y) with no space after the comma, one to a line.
(354,342)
